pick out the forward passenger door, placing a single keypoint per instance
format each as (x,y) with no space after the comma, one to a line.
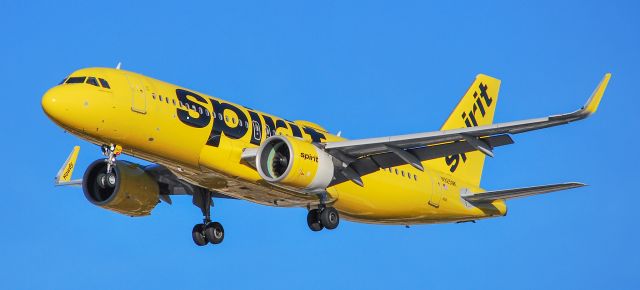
(139,94)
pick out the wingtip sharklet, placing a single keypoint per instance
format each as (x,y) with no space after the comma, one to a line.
(64,174)
(594,101)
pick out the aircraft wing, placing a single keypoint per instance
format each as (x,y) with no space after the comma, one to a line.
(490,196)
(413,148)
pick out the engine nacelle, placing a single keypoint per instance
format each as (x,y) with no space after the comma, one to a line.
(128,190)
(296,163)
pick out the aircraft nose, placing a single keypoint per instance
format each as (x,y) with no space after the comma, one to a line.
(51,104)
(57,105)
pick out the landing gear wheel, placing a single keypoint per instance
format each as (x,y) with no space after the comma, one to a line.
(329,218)
(111,179)
(198,235)
(214,232)
(101,179)
(313,220)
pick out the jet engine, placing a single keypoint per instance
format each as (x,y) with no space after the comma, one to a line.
(293,162)
(127,189)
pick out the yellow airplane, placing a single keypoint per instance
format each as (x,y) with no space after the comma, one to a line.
(207,147)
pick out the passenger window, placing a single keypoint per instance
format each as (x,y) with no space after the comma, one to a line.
(75,80)
(402,171)
(409,175)
(396,171)
(174,102)
(153,96)
(200,110)
(166,99)
(104,84)
(206,113)
(220,116)
(415,177)
(160,98)
(226,118)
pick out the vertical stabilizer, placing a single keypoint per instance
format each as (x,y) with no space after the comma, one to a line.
(476,108)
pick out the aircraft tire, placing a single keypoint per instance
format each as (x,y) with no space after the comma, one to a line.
(111,180)
(313,220)
(330,218)
(214,232)
(101,179)
(198,235)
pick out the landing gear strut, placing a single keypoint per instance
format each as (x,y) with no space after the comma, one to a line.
(324,217)
(207,231)
(111,152)
(108,179)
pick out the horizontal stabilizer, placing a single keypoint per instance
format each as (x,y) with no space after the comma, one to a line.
(489,196)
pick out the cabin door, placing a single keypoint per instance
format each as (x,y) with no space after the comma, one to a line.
(436,190)
(139,94)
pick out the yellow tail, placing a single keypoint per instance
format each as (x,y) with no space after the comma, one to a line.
(476,108)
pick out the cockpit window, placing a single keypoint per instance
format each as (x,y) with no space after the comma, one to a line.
(104,84)
(92,81)
(62,82)
(75,80)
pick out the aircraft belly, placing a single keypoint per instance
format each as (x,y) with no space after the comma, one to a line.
(257,192)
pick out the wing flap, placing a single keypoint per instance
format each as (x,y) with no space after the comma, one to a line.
(372,163)
(490,196)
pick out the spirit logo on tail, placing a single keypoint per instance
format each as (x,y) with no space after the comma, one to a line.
(481,100)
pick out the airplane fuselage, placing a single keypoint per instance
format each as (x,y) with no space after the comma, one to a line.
(201,139)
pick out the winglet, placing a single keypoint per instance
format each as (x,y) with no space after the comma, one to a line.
(594,101)
(64,174)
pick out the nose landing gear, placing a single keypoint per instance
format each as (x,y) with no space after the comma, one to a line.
(111,152)
(109,178)
(106,180)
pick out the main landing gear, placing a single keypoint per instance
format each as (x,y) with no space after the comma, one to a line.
(207,231)
(324,217)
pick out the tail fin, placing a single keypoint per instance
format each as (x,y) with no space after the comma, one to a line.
(476,108)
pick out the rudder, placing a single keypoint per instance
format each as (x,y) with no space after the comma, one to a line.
(476,108)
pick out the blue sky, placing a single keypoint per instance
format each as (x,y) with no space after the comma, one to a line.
(367,68)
